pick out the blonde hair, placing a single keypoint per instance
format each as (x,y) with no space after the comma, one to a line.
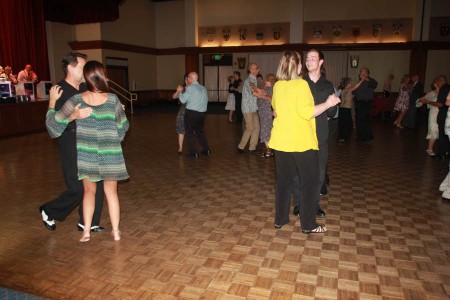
(406,78)
(288,66)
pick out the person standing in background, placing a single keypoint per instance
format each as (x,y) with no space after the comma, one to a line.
(430,100)
(402,104)
(409,120)
(250,111)
(387,86)
(179,121)
(237,90)
(345,110)
(443,142)
(196,99)
(231,99)
(363,104)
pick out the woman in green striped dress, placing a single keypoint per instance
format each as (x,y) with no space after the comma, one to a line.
(99,137)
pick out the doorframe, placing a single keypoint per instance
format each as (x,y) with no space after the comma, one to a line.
(118,63)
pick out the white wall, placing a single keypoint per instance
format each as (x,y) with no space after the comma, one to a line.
(381,64)
(171,70)
(325,10)
(169,24)
(221,12)
(438,63)
(135,26)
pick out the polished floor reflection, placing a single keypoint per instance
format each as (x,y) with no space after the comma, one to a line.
(204,229)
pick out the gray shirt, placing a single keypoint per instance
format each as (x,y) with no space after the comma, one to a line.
(195,97)
(249,104)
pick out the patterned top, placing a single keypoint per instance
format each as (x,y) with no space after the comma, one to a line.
(248,100)
(99,152)
(402,103)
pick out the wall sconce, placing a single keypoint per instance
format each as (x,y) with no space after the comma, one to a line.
(354,61)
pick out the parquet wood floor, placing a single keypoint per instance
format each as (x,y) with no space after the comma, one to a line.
(204,229)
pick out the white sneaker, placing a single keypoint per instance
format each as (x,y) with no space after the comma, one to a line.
(49,224)
(446,195)
(444,185)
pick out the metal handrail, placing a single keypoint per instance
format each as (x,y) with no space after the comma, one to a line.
(132,96)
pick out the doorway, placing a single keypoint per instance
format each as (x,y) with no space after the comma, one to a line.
(216,69)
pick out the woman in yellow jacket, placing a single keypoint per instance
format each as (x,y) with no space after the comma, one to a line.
(295,143)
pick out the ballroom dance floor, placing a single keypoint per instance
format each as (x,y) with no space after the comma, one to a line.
(203,229)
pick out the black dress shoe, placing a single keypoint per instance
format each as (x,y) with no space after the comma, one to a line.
(240,151)
(296,211)
(251,151)
(195,155)
(320,213)
(48,223)
(439,157)
(93,228)
(206,152)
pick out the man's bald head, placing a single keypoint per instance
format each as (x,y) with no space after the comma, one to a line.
(193,76)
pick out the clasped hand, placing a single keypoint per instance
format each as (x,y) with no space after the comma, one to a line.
(77,114)
(333,100)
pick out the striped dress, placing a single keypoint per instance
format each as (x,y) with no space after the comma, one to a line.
(100,155)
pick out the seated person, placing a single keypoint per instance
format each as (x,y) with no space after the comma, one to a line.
(9,75)
(27,75)
(2,75)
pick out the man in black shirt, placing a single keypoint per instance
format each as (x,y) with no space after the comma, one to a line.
(321,89)
(363,104)
(409,120)
(237,85)
(59,208)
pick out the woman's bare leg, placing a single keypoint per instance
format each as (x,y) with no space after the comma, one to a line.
(230,116)
(431,143)
(398,122)
(88,208)
(180,142)
(110,188)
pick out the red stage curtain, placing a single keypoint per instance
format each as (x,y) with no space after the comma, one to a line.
(22,36)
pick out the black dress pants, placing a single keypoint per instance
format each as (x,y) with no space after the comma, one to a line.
(238,107)
(443,141)
(362,114)
(345,123)
(65,203)
(305,165)
(194,122)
